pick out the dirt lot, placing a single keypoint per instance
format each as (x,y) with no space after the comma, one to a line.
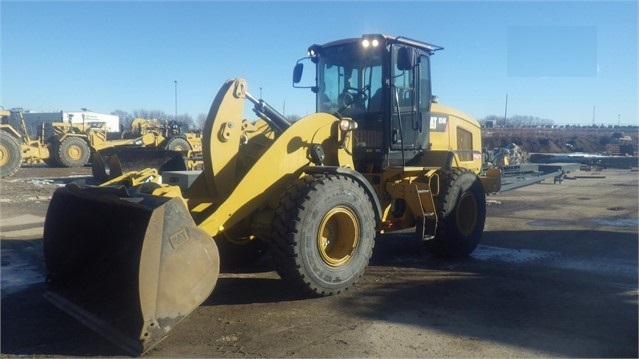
(555,276)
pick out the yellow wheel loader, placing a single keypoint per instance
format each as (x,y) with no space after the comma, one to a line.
(72,145)
(168,135)
(377,156)
(10,145)
(16,146)
(62,144)
(165,147)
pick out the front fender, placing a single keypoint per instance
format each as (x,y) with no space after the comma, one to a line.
(356,176)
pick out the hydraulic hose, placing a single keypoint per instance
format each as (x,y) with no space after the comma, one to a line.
(276,120)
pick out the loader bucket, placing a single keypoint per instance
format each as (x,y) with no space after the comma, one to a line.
(134,159)
(129,266)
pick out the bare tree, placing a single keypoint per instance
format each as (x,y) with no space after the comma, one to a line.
(201,119)
(516,121)
(151,114)
(185,121)
(125,119)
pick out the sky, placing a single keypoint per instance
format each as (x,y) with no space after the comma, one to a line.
(572,62)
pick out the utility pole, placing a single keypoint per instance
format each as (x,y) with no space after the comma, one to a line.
(506,110)
(593,116)
(175,81)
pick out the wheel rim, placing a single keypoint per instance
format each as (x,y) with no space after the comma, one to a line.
(4,155)
(467,213)
(74,152)
(338,236)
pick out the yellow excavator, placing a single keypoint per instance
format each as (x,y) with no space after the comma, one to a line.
(378,155)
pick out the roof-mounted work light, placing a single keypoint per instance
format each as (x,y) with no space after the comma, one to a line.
(313,51)
(370,42)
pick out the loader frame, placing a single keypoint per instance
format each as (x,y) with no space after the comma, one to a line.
(316,192)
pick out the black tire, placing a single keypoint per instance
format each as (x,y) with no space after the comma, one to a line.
(179,144)
(98,167)
(461,211)
(324,232)
(52,160)
(10,155)
(73,152)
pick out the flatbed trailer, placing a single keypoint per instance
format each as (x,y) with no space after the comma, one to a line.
(526,174)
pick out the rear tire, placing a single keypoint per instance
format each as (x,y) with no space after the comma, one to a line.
(73,152)
(461,211)
(10,155)
(324,234)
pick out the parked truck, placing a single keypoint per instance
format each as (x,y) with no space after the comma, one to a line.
(378,156)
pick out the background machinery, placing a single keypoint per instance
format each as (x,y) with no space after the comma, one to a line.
(377,156)
(73,144)
(58,144)
(168,135)
(16,146)
(165,145)
(61,144)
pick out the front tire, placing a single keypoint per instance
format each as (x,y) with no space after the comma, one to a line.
(324,234)
(73,152)
(461,211)
(10,155)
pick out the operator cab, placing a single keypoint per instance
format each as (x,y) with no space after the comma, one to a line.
(383,84)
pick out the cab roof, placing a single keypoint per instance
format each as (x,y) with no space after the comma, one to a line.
(430,48)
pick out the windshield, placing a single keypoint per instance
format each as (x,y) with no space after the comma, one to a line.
(350,80)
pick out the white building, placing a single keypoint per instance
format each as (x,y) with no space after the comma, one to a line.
(34,119)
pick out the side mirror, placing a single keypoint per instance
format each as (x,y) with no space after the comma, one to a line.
(297,72)
(405,59)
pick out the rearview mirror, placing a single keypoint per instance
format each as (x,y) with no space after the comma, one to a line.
(297,72)
(405,59)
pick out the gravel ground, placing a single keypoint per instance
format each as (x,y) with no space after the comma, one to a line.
(554,276)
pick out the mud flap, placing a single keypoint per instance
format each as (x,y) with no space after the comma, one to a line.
(130,266)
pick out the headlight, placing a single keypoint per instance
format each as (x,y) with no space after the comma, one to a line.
(347,125)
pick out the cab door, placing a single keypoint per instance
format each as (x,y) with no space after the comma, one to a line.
(410,100)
